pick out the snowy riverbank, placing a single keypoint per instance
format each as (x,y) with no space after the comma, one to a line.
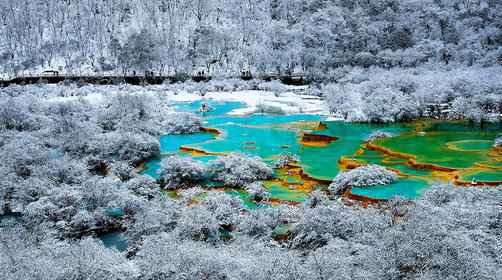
(289,100)
(261,101)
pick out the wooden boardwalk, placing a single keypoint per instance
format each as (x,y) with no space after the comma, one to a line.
(133,80)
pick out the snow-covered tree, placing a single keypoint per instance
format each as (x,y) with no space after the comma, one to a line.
(257,192)
(378,135)
(182,171)
(239,170)
(498,142)
(281,37)
(364,176)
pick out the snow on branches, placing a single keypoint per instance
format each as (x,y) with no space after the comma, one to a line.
(378,135)
(239,170)
(498,142)
(257,192)
(181,171)
(364,176)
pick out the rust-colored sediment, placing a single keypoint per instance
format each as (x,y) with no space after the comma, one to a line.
(306,176)
(304,125)
(495,152)
(348,163)
(411,161)
(275,201)
(321,126)
(488,166)
(210,130)
(364,201)
(373,147)
(428,166)
(308,182)
(140,168)
(477,184)
(316,140)
(199,152)
(458,182)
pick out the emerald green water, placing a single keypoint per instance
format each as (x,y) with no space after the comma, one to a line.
(323,162)
(486,176)
(453,145)
(446,144)
(470,145)
(375,157)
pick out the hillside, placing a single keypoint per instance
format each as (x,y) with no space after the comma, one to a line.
(271,36)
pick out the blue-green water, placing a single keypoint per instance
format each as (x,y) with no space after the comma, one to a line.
(269,136)
(115,240)
(405,188)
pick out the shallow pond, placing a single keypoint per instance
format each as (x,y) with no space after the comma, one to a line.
(422,152)
(115,240)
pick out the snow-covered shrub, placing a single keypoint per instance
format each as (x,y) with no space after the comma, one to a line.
(182,123)
(314,91)
(203,220)
(132,147)
(267,108)
(26,190)
(64,171)
(344,101)
(225,208)
(259,223)
(163,254)
(364,176)
(14,116)
(284,160)
(498,142)
(231,84)
(82,220)
(198,223)
(316,198)
(371,101)
(23,153)
(477,108)
(61,259)
(441,233)
(188,195)
(257,192)
(464,108)
(378,135)
(317,225)
(178,171)
(389,105)
(274,86)
(239,170)
(124,110)
(123,170)
(402,94)
(143,186)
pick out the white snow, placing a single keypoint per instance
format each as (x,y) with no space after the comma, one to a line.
(257,101)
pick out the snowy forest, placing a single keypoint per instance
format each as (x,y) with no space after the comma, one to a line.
(385,164)
(273,36)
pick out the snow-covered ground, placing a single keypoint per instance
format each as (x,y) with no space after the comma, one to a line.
(261,101)
(256,101)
